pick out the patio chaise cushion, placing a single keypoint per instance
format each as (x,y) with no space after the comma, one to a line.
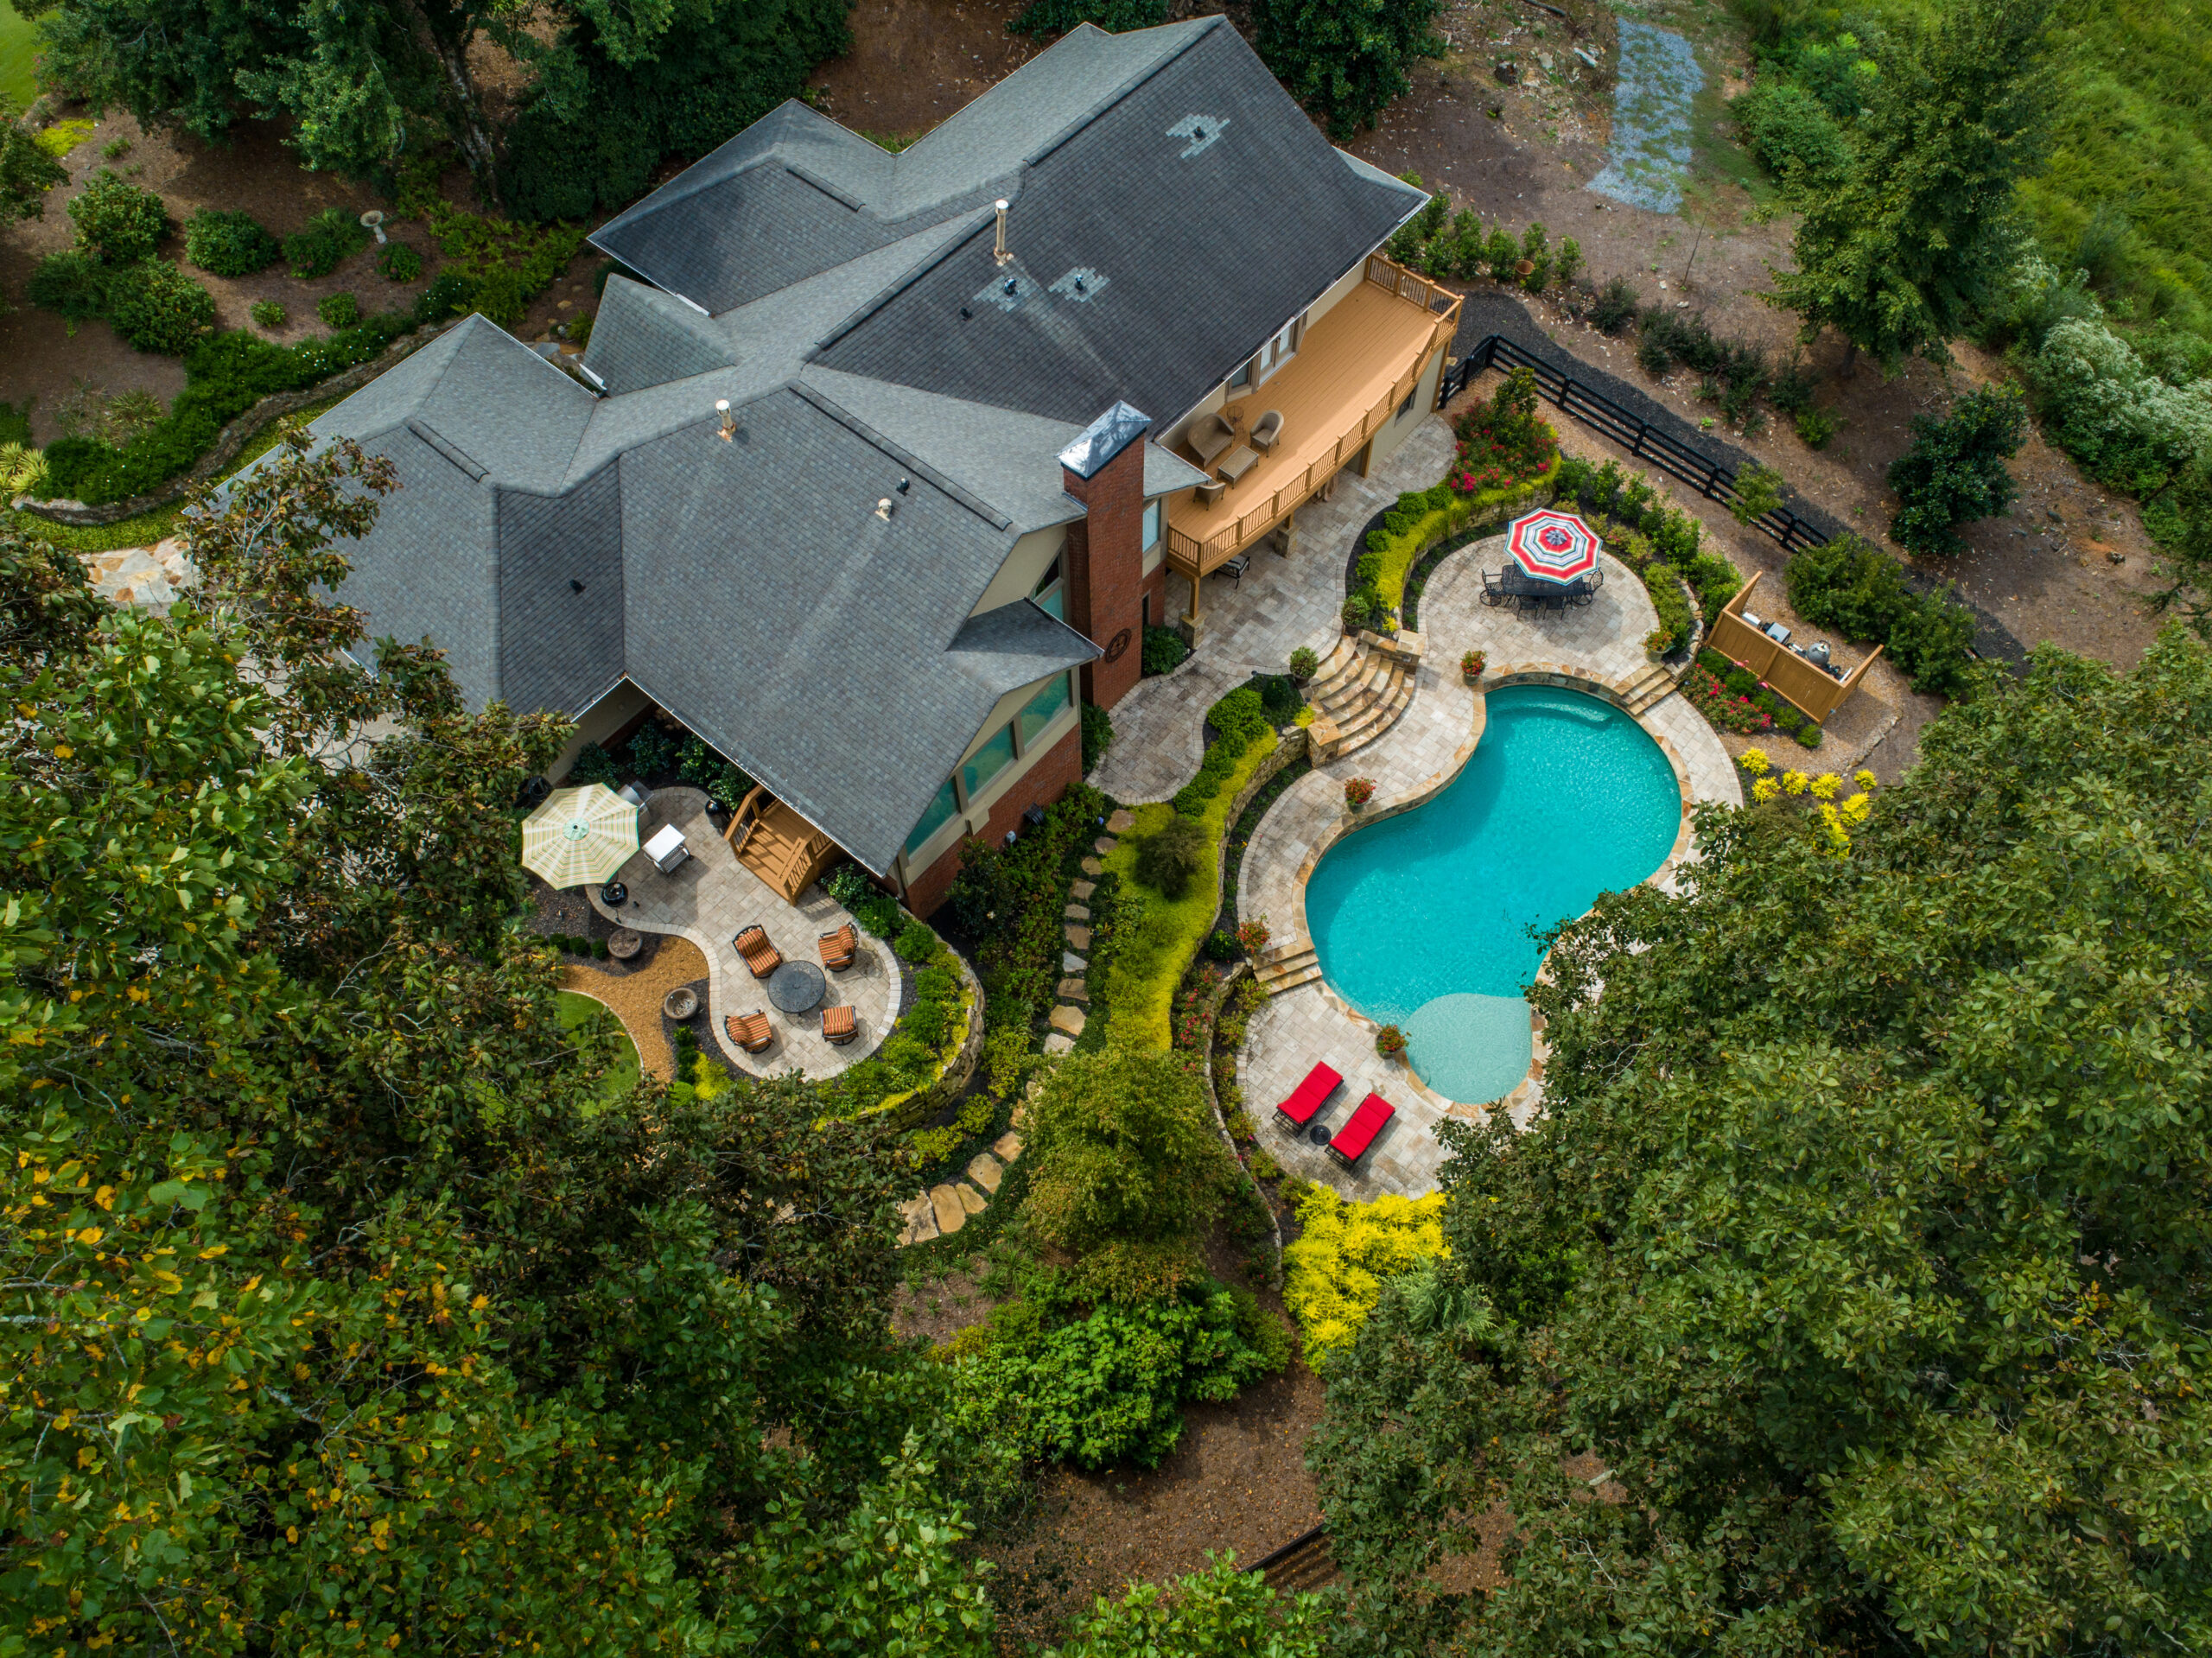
(838,1023)
(1356,1135)
(1209,436)
(1320,1083)
(760,955)
(839,948)
(749,1031)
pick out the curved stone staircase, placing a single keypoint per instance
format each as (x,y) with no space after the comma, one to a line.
(1358,693)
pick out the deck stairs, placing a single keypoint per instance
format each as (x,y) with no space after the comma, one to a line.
(1656,683)
(1287,968)
(1358,694)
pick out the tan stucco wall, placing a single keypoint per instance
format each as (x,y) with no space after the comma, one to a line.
(1398,428)
(599,721)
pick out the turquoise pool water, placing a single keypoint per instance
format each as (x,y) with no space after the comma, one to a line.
(1423,920)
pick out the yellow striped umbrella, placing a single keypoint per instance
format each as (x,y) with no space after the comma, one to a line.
(580,835)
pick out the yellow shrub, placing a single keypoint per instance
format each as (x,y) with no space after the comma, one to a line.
(1335,1270)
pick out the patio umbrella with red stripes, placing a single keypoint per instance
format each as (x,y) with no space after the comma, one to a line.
(1552,546)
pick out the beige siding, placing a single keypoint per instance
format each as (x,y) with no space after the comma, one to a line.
(601,721)
(1030,558)
(1400,426)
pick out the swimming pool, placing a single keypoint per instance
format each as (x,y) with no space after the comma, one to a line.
(1422,920)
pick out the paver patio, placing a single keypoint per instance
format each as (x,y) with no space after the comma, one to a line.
(710,898)
(1600,645)
(1252,625)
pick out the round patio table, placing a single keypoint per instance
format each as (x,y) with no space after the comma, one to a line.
(796,986)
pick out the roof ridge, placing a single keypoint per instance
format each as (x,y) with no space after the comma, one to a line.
(906,278)
(913,463)
(1106,103)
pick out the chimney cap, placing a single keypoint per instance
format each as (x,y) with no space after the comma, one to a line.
(1103,439)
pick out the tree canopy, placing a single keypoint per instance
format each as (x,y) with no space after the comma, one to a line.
(1850,1294)
(1898,246)
(340,1315)
(1343,60)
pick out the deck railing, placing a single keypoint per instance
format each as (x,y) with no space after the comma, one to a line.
(1197,558)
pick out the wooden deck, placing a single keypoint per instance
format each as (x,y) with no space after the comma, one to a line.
(1352,369)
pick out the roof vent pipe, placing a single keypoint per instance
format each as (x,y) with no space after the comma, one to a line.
(728,426)
(1001,253)
(883,509)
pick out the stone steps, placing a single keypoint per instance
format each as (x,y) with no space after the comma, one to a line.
(1285,969)
(940,1210)
(1655,684)
(1359,692)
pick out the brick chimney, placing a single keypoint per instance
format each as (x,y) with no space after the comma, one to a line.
(1102,567)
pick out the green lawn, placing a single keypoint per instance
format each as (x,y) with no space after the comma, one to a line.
(580,1011)
(19,46)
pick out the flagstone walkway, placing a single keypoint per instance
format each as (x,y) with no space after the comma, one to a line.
(1597,649)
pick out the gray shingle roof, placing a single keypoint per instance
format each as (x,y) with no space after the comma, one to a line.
(1172,209)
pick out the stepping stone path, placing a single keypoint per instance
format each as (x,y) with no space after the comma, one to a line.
(944,1209)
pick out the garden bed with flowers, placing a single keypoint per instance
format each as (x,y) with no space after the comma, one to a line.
(1820,792)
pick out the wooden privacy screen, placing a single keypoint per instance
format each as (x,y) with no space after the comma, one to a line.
(1812,691)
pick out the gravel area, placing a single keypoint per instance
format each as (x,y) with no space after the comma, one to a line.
(635,995)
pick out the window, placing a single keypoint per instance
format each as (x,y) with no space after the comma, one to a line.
(1043,709)
(1277,352)
(986,762)
(1407,407)
(939,813)
(1153,513)
(1050,594)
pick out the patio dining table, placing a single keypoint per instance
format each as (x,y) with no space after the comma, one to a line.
(1518,590)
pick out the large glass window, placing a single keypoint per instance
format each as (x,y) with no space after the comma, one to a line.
(939,813)
(986,762)
(1152,517)
(1043,709)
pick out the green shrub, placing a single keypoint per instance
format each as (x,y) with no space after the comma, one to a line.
(599,949)
(1617,306)
(1221,946)
(158,306)
(339,310)
(594,765)
(1652,355)
(117,224)
(1740,681)
(399,262)
(1817,425)
(266,313)
(927,1021)
(1164,650)
(1168,859)
(1809,734)
(227,244)
(71,282)
(450,294)
(1671,605)
(1791,131)
(1955,473)
(915,943)
(1097,736)
(1713,662)
(325,242)
(878,915)
(1854,587)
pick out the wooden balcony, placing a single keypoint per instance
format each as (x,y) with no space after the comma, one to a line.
(1352,369)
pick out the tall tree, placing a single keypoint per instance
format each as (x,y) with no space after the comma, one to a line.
(1849,1296)
(1895,252)
(1344,59)
(341,1312)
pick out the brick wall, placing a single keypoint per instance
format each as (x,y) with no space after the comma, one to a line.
(1046,781)
(1106,582)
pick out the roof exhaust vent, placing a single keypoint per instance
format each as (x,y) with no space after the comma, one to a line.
(906,484)
(729,426)
(1002,253)
(883,509)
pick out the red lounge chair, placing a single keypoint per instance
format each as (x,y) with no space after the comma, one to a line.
(838,1024)
(1320,1083)
(839,948)
(759,953)
(749,1031)
(1356,1136)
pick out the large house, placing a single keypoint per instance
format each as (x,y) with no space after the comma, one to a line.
(879,465)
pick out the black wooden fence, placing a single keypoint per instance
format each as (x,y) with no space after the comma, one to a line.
(1638,436)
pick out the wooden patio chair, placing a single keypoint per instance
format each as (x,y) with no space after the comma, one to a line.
(759,953)
(839,1026)
(750,1031)
(839,948)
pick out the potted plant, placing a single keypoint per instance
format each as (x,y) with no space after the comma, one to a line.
(1254,935)
(1471,665)
(1303,664)
(1358,791)
(1390,1042)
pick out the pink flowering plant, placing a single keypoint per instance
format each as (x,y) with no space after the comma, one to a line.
(1502,442)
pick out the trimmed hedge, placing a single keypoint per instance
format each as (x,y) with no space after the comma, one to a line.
(1240,720)
(1421,519)
(228,245)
